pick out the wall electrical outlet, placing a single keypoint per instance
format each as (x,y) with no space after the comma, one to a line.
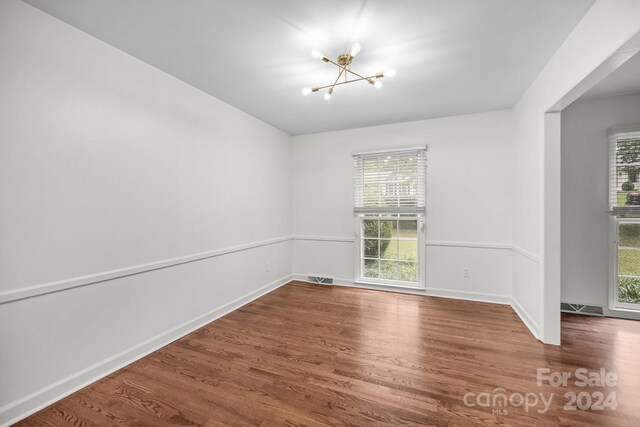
(465,272)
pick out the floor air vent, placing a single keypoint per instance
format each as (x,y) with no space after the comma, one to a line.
(321,280)
(591,310)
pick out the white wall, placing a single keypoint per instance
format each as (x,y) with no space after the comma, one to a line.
(585,194)
(469,201)
(536,234)
(109,167)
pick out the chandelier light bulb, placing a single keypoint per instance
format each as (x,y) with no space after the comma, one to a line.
(306,91)
(355,49)
(327,96)
(377,84)
(390,73)
(316,54)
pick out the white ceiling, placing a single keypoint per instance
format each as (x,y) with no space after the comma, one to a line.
(452,56)
(623,81)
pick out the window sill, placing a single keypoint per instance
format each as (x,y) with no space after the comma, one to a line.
(622,312)
(365,282)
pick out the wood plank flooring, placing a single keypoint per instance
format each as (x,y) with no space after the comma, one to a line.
(319,355)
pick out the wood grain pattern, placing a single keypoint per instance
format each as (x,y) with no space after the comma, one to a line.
(321,355)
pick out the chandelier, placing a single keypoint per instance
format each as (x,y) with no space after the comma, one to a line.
(343,62)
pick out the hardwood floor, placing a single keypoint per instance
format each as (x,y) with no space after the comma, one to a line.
(320,355)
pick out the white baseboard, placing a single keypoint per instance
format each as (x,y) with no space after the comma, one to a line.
(621,313)
(44,397)
(430,291)
(526,319)
(469,296)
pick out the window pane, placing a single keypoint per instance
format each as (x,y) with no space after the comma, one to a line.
(629,263)
(408,228)
(408,250)
(630,235)
(371,268)
(371,248)
(628,172)
(629,290)
(389,249)
(371,227)
(388,270)
(388,229)
(408,271)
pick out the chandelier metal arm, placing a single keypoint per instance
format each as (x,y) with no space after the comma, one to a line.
(342,83)
(361,77)
(370,78)
(325,59)
(356,74)
(342,70)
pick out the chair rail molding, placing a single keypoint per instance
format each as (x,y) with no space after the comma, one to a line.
(62,285)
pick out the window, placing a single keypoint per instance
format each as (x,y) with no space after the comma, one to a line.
(389,207)
(624,198)
(625,166)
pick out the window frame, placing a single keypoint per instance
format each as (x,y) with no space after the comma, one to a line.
(420,217)
(359,264)
(618,216)
(614,302)
(616,134)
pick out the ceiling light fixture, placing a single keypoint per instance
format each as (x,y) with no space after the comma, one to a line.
(344,69)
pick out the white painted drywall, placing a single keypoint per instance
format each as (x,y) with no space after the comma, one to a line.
(108,163)
(469,199)
(604,29)
(585,194)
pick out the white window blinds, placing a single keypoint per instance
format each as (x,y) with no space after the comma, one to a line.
(625,174)
(390,182)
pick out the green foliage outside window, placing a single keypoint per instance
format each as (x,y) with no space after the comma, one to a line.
(371,229)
